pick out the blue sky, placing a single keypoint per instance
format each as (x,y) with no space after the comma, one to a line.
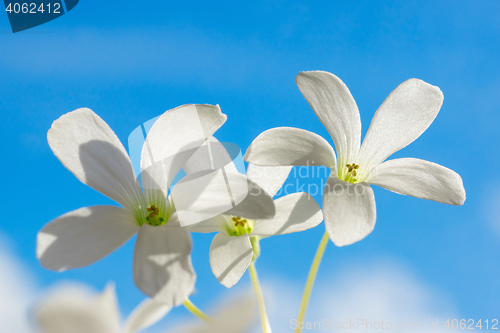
(131,61)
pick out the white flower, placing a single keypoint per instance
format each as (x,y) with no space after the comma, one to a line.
(232,248)
(236,317)
(348,202)
(76,310)
(88,148)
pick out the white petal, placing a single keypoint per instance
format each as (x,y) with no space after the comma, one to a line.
(83,236)
(88,148)
(211,118)
(154,186)
(230,257)
(256,205)
(215,224)
(290,146)
(336,109)
(204,195)
(270,179)
(201,196)
(77,311)
(145,314)
(162,263)
(213,155)
(349,211)
(294,212)
(107,303)
(173,138)
(402,118)
(421,179)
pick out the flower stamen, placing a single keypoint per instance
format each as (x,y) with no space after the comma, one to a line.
(241,226)
(154,218)
(351,173)
(239,221)
(153,211)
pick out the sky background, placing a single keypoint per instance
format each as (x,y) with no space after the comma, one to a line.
(131,61)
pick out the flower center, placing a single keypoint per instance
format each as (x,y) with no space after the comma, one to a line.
(240,226)
(155,218)
(351,173)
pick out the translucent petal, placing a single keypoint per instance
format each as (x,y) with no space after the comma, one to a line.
(402,118)
(88,148)
(294,212)
(335,107)
(421,179)
(230,257)
(84,236)
(162,263)
(349,211)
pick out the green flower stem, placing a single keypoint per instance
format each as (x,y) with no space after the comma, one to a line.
(266,328)
(310,280)
(194,310)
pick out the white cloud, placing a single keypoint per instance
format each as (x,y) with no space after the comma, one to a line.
(379,291)
(234,297)
(383,290)
(17,291)
(375,292)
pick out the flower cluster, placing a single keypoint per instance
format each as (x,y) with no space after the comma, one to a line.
(162,266)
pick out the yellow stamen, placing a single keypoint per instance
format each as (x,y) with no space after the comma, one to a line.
(153,211)
(240,226)
(352,167)
(351,173)
(242,223)
(238,221)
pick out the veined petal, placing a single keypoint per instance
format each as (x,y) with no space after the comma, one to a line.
(230,257)
(87,147)
(145,314)
(421,179)
(270,179)
(201,196)
(349,211)
(162,263)
(83,236)
(219,223)
(290,146)
(256,205)
(173,139)
(153,182)
(294,212)
(213,155)
(401,119)
(335,107)
(77,311)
